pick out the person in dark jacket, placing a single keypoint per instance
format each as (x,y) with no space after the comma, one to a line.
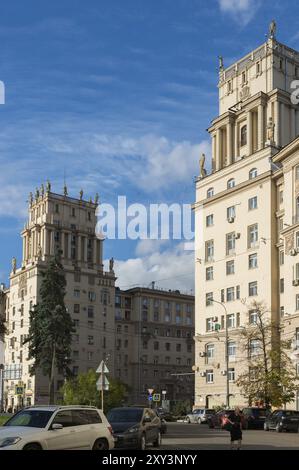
(235,420)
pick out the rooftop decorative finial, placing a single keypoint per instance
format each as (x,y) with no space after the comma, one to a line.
(97,199)
(221,63)
(81,194)
(42,190)
(36,193)
(48,186)
(272,29)
(65,192)
(203,171)
(30,199)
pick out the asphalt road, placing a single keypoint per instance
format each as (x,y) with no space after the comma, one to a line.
(199,437)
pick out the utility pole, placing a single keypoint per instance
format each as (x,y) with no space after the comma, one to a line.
(226,351)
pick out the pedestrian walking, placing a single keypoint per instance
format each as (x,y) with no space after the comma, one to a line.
(235,421)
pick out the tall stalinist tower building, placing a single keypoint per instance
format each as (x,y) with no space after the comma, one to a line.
(65,224)
(247,217)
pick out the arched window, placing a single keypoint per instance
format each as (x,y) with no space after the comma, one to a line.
(231,183)
(253,173)
(210,192)
(243,135)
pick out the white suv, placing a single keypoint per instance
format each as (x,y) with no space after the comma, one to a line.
(57,428)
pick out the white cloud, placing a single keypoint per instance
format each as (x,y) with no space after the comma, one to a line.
(172,268)
(241,10)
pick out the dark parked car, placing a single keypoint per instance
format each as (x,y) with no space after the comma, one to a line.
(217,420)
(135,427)
(254,418)
(282,420)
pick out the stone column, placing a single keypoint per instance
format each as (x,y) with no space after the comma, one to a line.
(100,252)
(249,132)
(293,123)
(85,249)
(79,242)
(63,244)
(236,141)
(277,122)
(46,247)
(24,249)
(261,127)
(229,136)
(218,150)
(52,251)
(297,122)
(95,251)
(213,152)
(69,245)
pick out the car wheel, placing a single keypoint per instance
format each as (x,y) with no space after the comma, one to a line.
(188,420)
(199,421)
(100,444)
(158,441)
(266,427)
(278,428)
(32,446)
(142,443)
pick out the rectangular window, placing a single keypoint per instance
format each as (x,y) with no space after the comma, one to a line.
(210,377)
(254,347)
(231,375)
(77,293)
(230,267)
(210,353)
(231,321)
(252,289)
(230,243)
(209,299)
(297,239)
(231,213)
(90,340)
(252,261)
(297,271)
(253,236)
(76,308)
(231,350)
(281,284)
(210,220)
(210,250)
(230,294)
(253,317)
(210,274)
(252,203)
(297,302)
(281,258)
(210,324)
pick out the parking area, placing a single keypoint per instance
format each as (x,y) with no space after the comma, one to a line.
(200,437)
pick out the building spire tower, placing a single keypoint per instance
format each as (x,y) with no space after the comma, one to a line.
(240,204)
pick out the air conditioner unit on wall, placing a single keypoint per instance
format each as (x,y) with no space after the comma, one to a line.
(296,282)
(203,374)
(231,220)
(202,354)
(223,372)
(293,252)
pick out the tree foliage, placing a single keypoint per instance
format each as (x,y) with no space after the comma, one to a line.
(82,390)
(271,378)
(51,326)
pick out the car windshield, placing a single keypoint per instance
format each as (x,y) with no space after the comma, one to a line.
(259,413)
(210,412)
(30,419)
(291,413)
(124,416)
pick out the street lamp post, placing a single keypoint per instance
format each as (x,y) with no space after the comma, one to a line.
(226,351)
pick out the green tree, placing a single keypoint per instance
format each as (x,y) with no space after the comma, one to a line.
(51,326)
(271,378)
(82,390)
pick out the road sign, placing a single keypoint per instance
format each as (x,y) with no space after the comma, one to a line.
(102,383)
(19,390)
(157,397)
(150,398)
(150,391)
(102,369)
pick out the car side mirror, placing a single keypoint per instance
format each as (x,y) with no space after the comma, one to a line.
(56,426)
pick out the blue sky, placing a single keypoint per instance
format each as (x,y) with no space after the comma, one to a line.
(118,94)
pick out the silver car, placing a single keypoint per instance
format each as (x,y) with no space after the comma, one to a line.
(199,416)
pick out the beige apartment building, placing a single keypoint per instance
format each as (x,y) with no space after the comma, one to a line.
(65,224)
(154,346)
(247,218)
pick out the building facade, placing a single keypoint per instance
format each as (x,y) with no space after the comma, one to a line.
(59,223)
(154,343)
(246,215)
